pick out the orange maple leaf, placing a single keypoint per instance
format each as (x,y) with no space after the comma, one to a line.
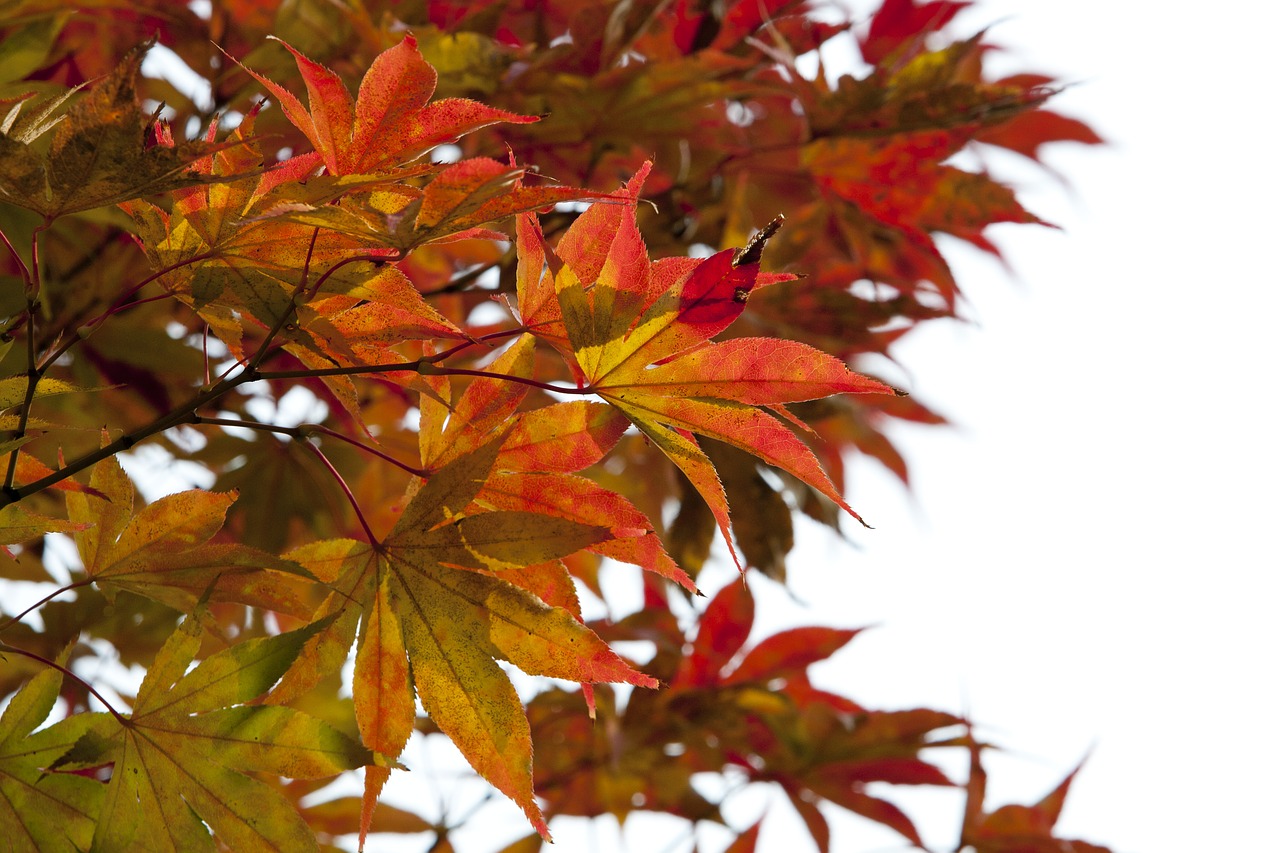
(390,122)
(638,333)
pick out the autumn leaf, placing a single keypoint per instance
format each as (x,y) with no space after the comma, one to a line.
(1016,828)
(250,245)
(457,200)
(39,809)
(344,247)
(390,122)
(763,528)
(900,26)
(768,721)
(434,607)
(639,334)
(617,763)
(99,154)
(218,252)
(1028,132)
(746,840)
(722,631)
(181,758)
(632,538)
(902,183)
(542,448)
(163,551)
(13,389)
(21,523)
(336,817)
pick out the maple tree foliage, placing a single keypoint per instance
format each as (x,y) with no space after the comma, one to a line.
(561,282)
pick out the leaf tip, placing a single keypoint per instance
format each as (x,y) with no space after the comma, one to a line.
(375,776)
(751,253)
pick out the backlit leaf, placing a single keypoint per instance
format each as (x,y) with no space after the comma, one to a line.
(39,809)
(163,551)
(99,154)
(181,755)
(433,591)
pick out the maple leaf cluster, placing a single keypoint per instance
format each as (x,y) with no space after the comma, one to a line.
(555,283)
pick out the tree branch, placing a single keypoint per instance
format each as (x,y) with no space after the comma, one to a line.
(5,647)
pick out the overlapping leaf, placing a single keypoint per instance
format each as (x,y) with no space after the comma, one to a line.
(479,568)
(391,124)
(20,522)
(42,810)
(99,153)
(164,551)
(219,255)
(542,449)
(639,335)
(264,244)
(768,720)
(181,758)
(433,604)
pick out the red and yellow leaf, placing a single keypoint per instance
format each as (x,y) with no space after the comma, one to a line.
(645,349)
(390,122)
(432,592)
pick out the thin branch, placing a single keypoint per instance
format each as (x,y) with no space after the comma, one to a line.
(457,348)
(300,292)
(300,434)
(121,302)
(286,316)
(33,380)
(184,413)
(386,457)
(33,280)
(376,260)
(324,460)
(32,290)
(463,281)
(12,620)
(486,374)
(5,647)
(352,370)
(179,415)
(304,431)
(420,365)
(293,432)
(204,351)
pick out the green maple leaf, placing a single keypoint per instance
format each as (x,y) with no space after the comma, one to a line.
(180,759)
(40,810)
